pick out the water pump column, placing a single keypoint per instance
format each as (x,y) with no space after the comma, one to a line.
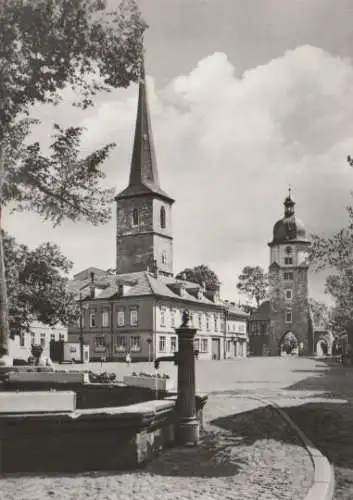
(188,430)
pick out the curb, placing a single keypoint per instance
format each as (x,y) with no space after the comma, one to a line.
(324,476)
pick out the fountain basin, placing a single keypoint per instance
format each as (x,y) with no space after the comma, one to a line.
(84,440)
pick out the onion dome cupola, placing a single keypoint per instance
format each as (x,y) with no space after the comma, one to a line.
(289,228)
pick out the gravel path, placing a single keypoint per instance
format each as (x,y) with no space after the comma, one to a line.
(247,452)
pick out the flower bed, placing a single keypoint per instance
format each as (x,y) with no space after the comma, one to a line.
(150,381)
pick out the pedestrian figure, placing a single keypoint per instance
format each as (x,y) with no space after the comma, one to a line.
(128,359)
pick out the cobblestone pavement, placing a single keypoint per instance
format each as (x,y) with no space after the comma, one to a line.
(247,453)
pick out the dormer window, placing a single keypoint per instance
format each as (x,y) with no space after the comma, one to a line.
(135,217)
(162,217)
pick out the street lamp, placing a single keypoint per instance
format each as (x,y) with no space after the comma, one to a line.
(82,307)
(149,342)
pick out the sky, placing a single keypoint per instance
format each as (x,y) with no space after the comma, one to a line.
(246,99)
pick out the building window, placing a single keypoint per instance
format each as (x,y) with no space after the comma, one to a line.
(228,345)
(162,344)
(33,338)
(163,218)
(204,345)
(289,250)
(288,316)
(163,316)
(135,217)
(207,321)
(121,316)
(289,294)
(172,317)
(22,339)
(99,343)
(288,261)
(196,344)
(200,321)
(173,344)
(215,322)
(222,325)
(62,337)
(133,316)
(121,343)
(92,318)
(288,276)
(135,343)
(105,318)
(42,339)
(242,328)
(262,328)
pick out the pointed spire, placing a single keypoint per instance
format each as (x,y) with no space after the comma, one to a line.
(143,164)
(144,177)
(289,204)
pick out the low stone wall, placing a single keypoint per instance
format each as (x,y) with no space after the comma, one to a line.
(98,439)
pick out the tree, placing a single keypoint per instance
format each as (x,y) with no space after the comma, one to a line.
(336,255)
(46,46)
(37,286)
(320,313)
(202,275)
(253,282)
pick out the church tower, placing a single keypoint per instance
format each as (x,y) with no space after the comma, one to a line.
(290,328)
(144,210)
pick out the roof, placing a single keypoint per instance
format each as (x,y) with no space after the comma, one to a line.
(289,228)
(142,283)
(262,313)
(144,177)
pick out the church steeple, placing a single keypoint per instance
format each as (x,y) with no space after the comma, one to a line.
(144,233)
(144,177)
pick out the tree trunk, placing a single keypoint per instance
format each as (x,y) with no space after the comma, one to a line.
(4,313)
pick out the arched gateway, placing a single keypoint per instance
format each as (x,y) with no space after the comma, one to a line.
(289,345)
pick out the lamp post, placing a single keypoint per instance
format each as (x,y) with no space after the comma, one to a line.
(225,331)
(81,340)
(149,342)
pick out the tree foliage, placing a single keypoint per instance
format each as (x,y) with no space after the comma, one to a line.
(253,282)
(63,185)
(335,254)
(37,285)
(202,275)
(320,313)
(47,45)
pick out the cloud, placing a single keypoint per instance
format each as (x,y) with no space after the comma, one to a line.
(227,149)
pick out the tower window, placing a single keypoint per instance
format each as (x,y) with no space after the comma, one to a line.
(135,217)
(289,294)
(164,257)
(288,316)
(163,224)
(288,276)
(288,261)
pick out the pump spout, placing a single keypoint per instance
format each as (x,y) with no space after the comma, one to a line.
(173,358)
